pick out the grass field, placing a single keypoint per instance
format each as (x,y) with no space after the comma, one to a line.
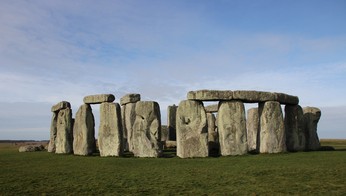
(302,173)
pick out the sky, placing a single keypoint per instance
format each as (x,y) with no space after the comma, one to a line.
(64,50)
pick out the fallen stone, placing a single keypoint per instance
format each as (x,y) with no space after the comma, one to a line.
(211,108)
(61,105)
(192,130)
(171,122)
(210,95)
(147,130)
(311,117)
(64,138)
(96,99)
(272,129)
(110,131)
(294,127)
(130,98)
(84,131)
(128,122)
(170,144)
(252,124)
(53,132)
(232,128)
(31,148)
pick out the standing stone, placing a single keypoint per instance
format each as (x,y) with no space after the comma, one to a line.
(192,130)
(171,122)
(129,120)
(272,129)
(147,130)
(252,124)
(64,132)
(110,132)
(84,131)
(311,117)
(53,132)
(294,127)
(213,137)
(232,128)
(125,143)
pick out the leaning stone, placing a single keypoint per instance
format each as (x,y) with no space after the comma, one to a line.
(84,131)
(61,105)
(192,130)
(272,129)
(213,136)
(253,96)
(294,127)
(130,98)
(110,132)
(211,108)
(96,99)
(147,130)
(53,132)
(31,148)
(210,95)
(311,117)
(252,124)
(232,128)
(171,122)
(129,117)
(64,143)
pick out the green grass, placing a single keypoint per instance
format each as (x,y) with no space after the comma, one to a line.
(302,173)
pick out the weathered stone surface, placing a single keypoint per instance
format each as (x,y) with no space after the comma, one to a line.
(84,131)
(272,130)
(130,98)
(53,132)
(254,96)
(128,122)
(125,143)
(294,127)
(31,148)
(64,143)
(110,135)
(213,136)
(164,133)
(96,99)
(147,130)
(171,122)
(287,99)
(311,117)
(210,95)
(192,130)
(61,105)
(211,108)
(252,124)
(232,128)
(170,144)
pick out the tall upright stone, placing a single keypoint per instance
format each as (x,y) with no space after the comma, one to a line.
(110,135)
(232,128)
(272,129)
(171,122)
(128,122)
(84,131)
(294,127)
(213,136)
(147,130)
(311,117)
(192,130)
(53,132)
(252,124)
(64,144)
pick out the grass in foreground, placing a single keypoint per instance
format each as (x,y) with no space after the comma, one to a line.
(307,173)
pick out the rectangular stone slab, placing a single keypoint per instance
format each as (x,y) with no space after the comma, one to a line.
(211,108)
(130,98)
(61,105)
(210,95)
(253,96)
(96,99)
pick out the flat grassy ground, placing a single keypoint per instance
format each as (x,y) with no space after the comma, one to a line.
(302,173)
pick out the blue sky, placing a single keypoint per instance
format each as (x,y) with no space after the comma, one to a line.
(64,50)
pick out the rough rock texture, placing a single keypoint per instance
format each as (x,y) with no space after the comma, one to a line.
(272,130)
(253,96)
(53,132)
(31,148)
(192,130)
(311,117)
(61,105)
(64,138)
(164,133)
(129,118)
(210,95)
(294,127)
(287,99)
(232,128)
(252,124)
(213,136)
(211,108)
(125,143)
(84,131)
(147,130)
(171,122)
(96,99)
(110,135)
(130,98)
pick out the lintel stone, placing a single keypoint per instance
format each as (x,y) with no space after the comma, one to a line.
(130,98)
(61,105)
(210,95)
(96,99)
(211,108)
